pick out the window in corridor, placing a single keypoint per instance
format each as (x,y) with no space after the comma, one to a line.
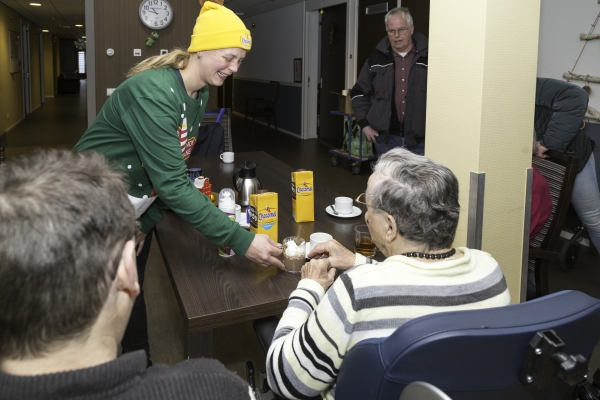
(81,61)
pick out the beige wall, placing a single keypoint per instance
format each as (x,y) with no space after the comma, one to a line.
(480,109)
(11,100)
(11,85)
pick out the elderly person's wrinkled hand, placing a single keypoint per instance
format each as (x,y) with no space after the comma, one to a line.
(371,134)
(319,271)
(540,150)
(264,251)
(339,257)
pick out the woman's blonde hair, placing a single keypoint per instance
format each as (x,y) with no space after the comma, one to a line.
(176,58)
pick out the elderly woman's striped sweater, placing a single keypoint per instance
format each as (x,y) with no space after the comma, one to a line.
(371,300)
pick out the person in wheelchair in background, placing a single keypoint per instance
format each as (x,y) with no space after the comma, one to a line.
(412,213)
(559,111)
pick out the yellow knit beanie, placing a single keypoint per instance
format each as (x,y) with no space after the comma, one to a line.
(217,27)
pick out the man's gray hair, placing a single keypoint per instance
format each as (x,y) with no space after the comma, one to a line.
(421,195)
(64,221)
(402,11)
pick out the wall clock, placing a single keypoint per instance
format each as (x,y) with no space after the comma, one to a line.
(156,14)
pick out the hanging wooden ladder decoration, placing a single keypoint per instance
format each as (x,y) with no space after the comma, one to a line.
(570,75)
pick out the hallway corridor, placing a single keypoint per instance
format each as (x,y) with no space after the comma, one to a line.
(58,123)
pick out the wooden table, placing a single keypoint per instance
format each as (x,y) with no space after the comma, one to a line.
(213,291)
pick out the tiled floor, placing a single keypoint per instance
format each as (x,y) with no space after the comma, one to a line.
(61,121)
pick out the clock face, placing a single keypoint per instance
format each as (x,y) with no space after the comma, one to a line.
(156,14)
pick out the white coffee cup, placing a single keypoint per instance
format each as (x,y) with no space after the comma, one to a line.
(227,157)
(318,238)
(344,205)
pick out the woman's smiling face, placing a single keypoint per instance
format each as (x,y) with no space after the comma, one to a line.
(217,65)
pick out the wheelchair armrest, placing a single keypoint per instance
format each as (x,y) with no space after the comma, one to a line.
(265,330)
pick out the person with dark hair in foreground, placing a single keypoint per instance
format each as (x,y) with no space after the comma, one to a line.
(412,213)
(68,281)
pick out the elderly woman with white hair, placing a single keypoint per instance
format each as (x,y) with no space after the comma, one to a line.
(412,213)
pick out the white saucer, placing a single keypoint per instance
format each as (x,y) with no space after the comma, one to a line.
(355,212)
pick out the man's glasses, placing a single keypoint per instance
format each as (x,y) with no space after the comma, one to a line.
(399,32)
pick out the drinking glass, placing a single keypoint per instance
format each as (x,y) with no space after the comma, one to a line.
(363,243)
(294,254)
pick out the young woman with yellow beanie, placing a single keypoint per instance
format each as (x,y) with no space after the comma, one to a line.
(149,127)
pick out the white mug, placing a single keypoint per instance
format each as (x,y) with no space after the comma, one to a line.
(343,205)
(318,238)
(227,157)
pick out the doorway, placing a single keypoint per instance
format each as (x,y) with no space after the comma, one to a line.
(42,83)
(26,69)
(419,9)
(371,27)
(332,72)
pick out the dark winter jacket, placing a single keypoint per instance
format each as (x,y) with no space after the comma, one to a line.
(559,110)
(373,93)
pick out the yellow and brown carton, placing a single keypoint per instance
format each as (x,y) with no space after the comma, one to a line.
(264,214)
(303,196)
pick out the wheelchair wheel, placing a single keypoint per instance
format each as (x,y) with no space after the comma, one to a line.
(568,256)
(334,160)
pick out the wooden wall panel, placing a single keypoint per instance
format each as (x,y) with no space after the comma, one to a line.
(117,26)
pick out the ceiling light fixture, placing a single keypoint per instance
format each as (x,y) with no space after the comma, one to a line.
(78,26)
(45,30)
(83,37)
(35,4)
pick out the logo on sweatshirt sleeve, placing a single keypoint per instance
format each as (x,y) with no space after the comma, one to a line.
(186,144)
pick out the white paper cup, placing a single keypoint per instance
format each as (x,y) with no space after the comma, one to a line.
(238,213)
(343,205)
(318,238)
(227,157)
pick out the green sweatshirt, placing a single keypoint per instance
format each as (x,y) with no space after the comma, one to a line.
(148,127)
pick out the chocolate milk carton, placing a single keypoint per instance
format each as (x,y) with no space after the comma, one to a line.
(303,196)
(264,214)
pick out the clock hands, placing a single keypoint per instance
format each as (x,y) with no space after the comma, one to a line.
(153,10)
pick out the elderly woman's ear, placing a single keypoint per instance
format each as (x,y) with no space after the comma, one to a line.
(391,231)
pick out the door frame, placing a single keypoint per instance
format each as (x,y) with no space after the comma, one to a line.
(26,67)
(311,59)
(42,81)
